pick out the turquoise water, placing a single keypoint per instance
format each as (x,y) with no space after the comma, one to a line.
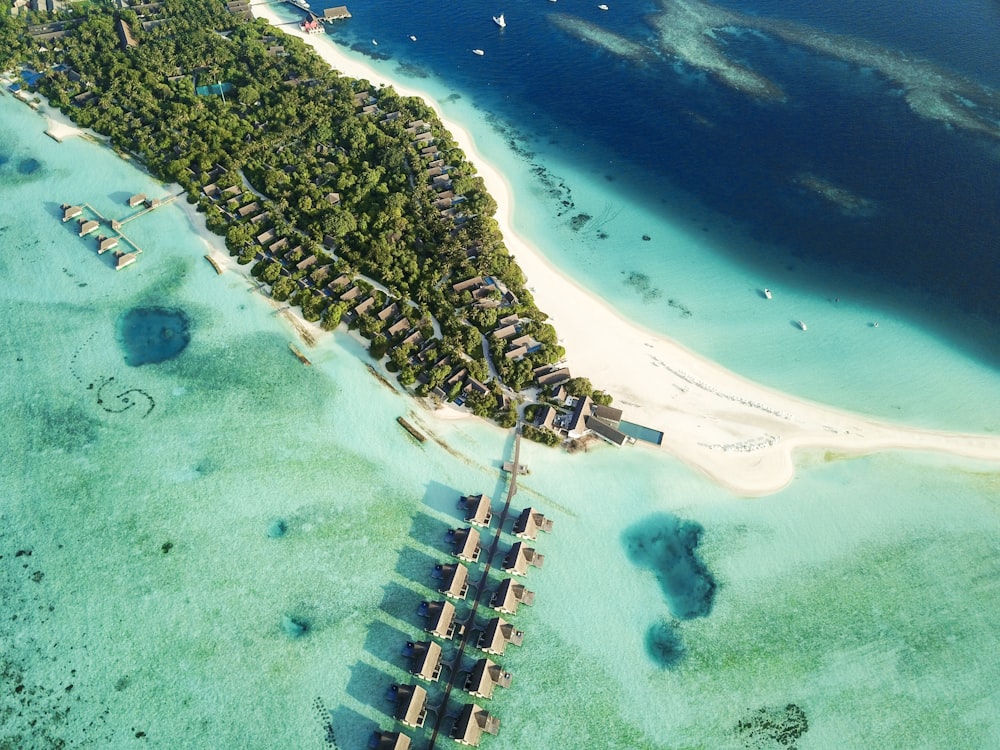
(147,592)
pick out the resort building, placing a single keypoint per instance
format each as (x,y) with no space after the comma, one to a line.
(497,634)
(575,426)
(389,741)
(605,431)
(335,13)
(518,559)
(465,544)
(440,619)
(484,677)
(509,595)
(411,704)
(136,200)
(478,510)
(87,226)
(454,579)
(71,212)
(425,659)
(471,723)
(529,523)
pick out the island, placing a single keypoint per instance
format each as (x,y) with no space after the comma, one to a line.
(349,202)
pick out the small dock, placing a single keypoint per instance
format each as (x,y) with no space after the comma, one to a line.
(215,264)
(299,355)
(414,432)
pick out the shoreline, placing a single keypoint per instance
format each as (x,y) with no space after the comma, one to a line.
(738,433)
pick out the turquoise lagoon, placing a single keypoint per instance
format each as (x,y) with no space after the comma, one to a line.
(226,549)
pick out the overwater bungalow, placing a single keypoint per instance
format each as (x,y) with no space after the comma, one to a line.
(389,741)
(124,259)
(518,559)
(136,200)
(485,676)
(440,619)
(509,595)
(529,523)
(497,634)
(454,579)
(478,509)
(471,723)
(465,544)
(71,212)
(87,226)
(106,243)
(411,704)
(425,659)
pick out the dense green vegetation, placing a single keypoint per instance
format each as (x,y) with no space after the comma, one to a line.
(343,180)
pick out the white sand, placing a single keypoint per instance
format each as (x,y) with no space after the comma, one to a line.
(737,432)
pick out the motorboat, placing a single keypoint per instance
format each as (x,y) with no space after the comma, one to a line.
(412,38)
(602,6)
(375,43)
(500,21)
(767,293)
(803,325)
(300,4)
(478,52)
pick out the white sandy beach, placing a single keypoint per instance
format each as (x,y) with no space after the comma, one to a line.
(739,433)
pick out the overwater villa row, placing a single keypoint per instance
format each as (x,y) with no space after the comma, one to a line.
(427,660)
(89,221)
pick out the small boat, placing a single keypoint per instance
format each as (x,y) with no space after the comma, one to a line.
(500,21)
(803,326)
(374,43)
(300,4)
(875,324)
(478,52)
(767,293)
(602,6)
(412,38)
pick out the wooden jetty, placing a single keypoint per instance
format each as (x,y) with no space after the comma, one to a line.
(336,13)
(299,355)
(215,264)
(411,429)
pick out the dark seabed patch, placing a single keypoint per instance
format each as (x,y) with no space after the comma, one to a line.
(295,627)
(663,644)
(149,335)
(28,166)
(666,545)
(773,727)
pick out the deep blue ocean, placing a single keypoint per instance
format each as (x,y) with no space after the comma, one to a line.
(926,235)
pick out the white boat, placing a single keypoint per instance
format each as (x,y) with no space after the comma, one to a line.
(412,38)
(803,326)
(478,52)
(602,6)
(300,4)
(500,21)
(374,42)
(767,293)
